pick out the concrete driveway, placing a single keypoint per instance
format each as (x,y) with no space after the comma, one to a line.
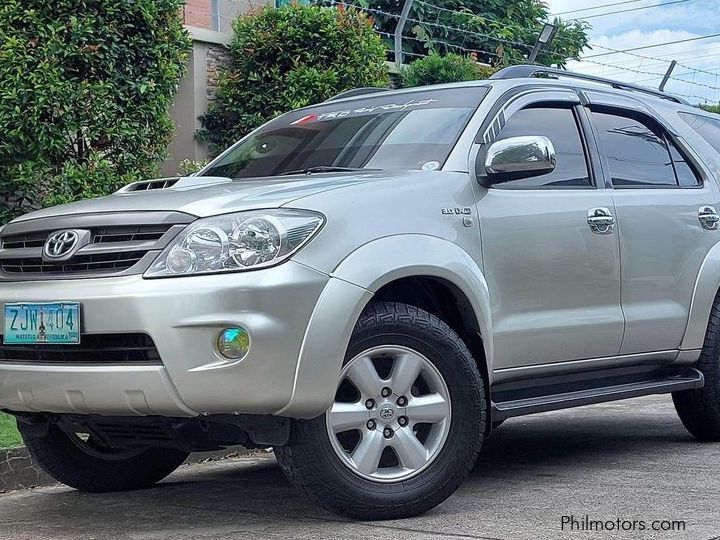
(629,460)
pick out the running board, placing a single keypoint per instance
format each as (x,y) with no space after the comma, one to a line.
(686,379)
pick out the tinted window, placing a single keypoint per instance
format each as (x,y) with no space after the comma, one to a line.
(708,128)
(686,175)
(416,130)
(560,126)
(637,153)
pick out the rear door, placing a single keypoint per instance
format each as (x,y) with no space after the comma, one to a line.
(554,276)
(666,219)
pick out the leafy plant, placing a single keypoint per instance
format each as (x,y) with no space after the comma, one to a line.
(436,69)
(190,166)
(287,58)
(85,87)
(501,32)
(9,435)
(711,108)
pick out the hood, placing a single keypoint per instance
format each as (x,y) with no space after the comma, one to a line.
(204,196)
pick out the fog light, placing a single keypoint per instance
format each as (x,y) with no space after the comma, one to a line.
(233,343)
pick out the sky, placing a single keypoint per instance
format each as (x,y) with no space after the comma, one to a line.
(660,24)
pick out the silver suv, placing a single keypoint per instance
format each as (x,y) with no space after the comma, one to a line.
(371,285)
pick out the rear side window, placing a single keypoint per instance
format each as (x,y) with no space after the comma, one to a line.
(686,175)
(637,154)
(560,126)
(708,128)
(640,155)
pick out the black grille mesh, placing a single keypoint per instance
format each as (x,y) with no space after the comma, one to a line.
(132,233)
(93,349)
(109,262)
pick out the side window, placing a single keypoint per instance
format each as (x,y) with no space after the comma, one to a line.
(686,175)
(708,128)
(637,153)
(560,126)
(641,155)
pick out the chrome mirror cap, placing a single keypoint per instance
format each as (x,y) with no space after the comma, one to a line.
(520,156)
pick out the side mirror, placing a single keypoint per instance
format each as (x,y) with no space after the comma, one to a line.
(517,157)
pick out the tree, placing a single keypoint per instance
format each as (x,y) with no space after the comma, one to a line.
(287,58)
(85,87)
(501,32)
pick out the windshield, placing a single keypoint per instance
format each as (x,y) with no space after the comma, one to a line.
(414,130)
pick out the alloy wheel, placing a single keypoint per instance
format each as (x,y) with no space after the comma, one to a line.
(391,414)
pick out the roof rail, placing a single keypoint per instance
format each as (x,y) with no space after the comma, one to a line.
(528,71)
(357,92)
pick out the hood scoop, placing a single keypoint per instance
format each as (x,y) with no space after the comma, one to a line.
(178,183)
(147,185)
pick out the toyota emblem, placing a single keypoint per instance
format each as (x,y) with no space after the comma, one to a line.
(386,413)
(61,245)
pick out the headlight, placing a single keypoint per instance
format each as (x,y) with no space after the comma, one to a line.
(236,242)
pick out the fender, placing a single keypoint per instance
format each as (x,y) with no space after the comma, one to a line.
(706,288)
(352,284)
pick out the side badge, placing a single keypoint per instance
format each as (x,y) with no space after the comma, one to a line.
(465,212)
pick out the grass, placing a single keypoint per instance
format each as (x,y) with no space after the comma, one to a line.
(9,435)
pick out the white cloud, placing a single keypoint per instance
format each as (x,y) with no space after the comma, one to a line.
(647,66)
(651,26)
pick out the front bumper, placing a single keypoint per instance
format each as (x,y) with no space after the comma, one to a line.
(183,317)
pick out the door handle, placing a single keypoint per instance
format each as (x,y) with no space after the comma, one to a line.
(601,221)
(708,217)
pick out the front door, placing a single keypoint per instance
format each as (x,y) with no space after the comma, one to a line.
(552,266)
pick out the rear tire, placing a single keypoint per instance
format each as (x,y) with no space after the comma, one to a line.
(321,457)
(88,466)
(699,409)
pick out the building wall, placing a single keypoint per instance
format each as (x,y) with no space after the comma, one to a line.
(210,24)
(196,90)
(218,14)
(198,13)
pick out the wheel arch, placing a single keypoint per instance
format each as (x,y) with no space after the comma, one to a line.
(705,292)
(388,265)
(445,300)
(434,266)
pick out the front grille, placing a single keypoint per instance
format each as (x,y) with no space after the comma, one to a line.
(29,240)
(119,243)
(103,262)
(132,233)
(100,235)
(106,349)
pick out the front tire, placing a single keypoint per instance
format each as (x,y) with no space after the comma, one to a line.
(406,426)
(699,410)
(83,464)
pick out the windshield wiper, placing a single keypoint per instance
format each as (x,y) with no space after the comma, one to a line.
(322,169)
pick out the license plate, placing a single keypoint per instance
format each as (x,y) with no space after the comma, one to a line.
(48,322)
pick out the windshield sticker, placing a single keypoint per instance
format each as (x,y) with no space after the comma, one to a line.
(305,120)
(362,110)
(431,166)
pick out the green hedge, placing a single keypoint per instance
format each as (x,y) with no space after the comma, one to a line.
(437,69)
(287,58)
(85,87)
